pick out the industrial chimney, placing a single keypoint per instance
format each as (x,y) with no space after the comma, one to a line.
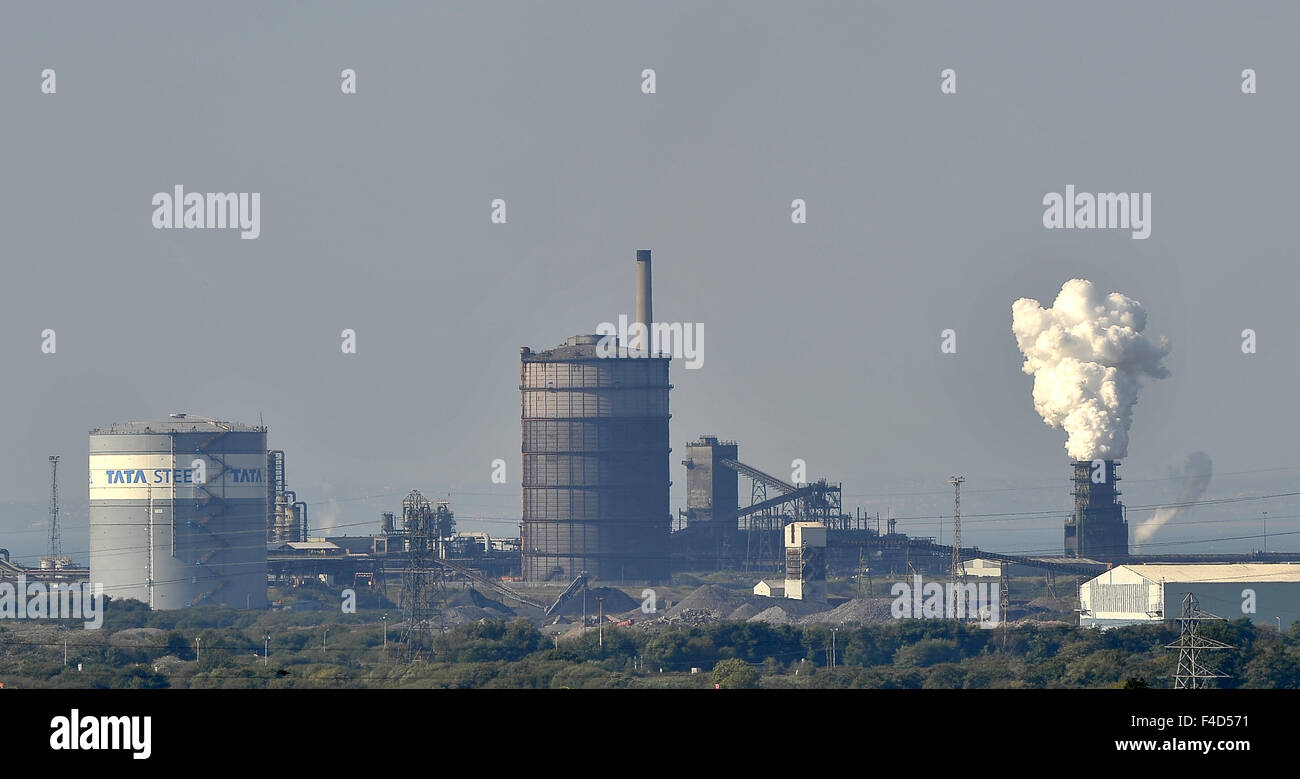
(644,315)
(1097,528)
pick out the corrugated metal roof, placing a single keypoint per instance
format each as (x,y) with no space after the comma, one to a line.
(1217,572)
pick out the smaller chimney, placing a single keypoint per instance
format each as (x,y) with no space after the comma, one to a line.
(644,312)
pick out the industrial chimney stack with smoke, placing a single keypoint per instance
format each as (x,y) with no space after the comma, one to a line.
(1088,354)
(1096,528)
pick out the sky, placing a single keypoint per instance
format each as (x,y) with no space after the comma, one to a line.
(822,340)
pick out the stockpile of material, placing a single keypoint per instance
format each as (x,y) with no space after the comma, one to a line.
(859,611)
(470,605)
(717,602)
(772,616)
(616,602)
(744,612)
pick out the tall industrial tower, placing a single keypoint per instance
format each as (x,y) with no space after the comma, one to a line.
(1097,528)
(958,568)
(420,578)
(1193,673)
(55,544)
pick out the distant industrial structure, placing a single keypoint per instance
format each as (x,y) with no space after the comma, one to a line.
(805,561)
(178,512)
(288,522)
(190,511)
(715,532)
(595,455)
(54,559)
(712,494)
(1267,593)
(424,532)
(1097,528)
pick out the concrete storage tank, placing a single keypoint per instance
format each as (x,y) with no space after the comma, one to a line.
(595,464)
(178,512)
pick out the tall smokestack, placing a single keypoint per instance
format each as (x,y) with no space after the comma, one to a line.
(644,313)
(1097,528)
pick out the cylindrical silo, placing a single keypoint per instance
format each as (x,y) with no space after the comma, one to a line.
(595,464)
(178,512)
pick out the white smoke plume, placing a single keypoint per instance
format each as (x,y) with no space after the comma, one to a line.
(1086,354)
(1195,479)
(325,517)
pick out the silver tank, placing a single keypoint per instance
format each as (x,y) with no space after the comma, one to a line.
(178,512)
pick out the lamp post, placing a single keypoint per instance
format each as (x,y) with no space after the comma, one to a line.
(266,650)
(833,646)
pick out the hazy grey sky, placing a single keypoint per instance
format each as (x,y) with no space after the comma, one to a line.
(822,340)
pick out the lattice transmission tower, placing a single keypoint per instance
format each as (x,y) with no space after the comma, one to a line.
(421,577)
(1193,673)
(958,568)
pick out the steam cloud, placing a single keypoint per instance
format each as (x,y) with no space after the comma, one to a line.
(326,517)
(1086,354)
(1195,478)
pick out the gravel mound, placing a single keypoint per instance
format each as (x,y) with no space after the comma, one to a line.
(462,615)
(745,611)
(772,616)
(716,601)
(470,605)
(858,611)
(473,598)
(616,602)
(615,599)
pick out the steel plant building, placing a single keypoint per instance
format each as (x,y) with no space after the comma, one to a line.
(595,457)
(1267,593)
(595,464)
(178,512)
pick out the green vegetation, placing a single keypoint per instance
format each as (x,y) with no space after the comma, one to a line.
(733,674)
(219,647)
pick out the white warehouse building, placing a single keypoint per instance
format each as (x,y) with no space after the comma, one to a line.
(1266,593)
